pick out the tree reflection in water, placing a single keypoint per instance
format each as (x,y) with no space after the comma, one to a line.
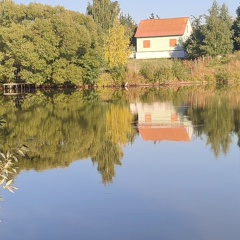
(61,128)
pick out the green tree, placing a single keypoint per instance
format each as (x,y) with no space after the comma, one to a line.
(217,32)
(213,36)
(41,44)
(236,30)
(225,16)
(153,16)
(130,27)
(104,12)
(193,44)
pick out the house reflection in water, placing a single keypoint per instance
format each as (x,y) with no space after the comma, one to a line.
(162,122)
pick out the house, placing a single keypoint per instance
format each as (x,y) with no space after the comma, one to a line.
(162,122)
(162,38)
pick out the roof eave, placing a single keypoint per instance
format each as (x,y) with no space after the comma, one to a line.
(155,36)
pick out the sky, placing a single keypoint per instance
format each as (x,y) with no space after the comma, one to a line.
(142,9)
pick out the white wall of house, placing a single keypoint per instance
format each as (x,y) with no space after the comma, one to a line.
(158,44)
(159,47)
(188,30)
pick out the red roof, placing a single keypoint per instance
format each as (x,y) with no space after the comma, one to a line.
(162,27)
(167,133)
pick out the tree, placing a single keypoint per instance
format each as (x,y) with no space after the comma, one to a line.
(116,47)
(130,27)
(40,44)
(104,12)
(153,16)
(217,32)
(193,44)
(236,30)
(225,16)
(212,38)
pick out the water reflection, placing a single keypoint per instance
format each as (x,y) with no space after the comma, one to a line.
(161,121)
(61,128)
(171,190)
(217,122)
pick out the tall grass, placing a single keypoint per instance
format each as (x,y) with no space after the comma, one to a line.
(157,71)
(219,70)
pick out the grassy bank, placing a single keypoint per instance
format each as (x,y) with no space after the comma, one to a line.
(220,70)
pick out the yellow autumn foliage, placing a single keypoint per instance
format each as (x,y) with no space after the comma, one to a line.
(119,124)
(116,46)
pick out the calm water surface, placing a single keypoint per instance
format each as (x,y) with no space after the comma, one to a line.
(136,165)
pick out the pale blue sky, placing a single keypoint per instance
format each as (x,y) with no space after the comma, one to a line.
(142,9)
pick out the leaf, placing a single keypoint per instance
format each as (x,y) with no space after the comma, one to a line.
(2,181)
(25,148)
(8,154)
(2,122)
(15,159)
(7,165)
(21,153)
(9,189)
(3,156)
(8,183)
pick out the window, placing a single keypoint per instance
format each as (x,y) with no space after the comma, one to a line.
(148,117)
(146,44)
(174,117)
(173,42)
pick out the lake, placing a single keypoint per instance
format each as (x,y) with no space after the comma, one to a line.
(143,164)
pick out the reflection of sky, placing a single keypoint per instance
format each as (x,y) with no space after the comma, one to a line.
(164,191)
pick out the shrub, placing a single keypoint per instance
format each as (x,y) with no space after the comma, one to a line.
(222,76)
(179,71)
(157,71)
(105,80)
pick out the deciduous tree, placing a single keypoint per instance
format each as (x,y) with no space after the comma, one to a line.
(41,44)
(130,27)
(116,46)
(104,12)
